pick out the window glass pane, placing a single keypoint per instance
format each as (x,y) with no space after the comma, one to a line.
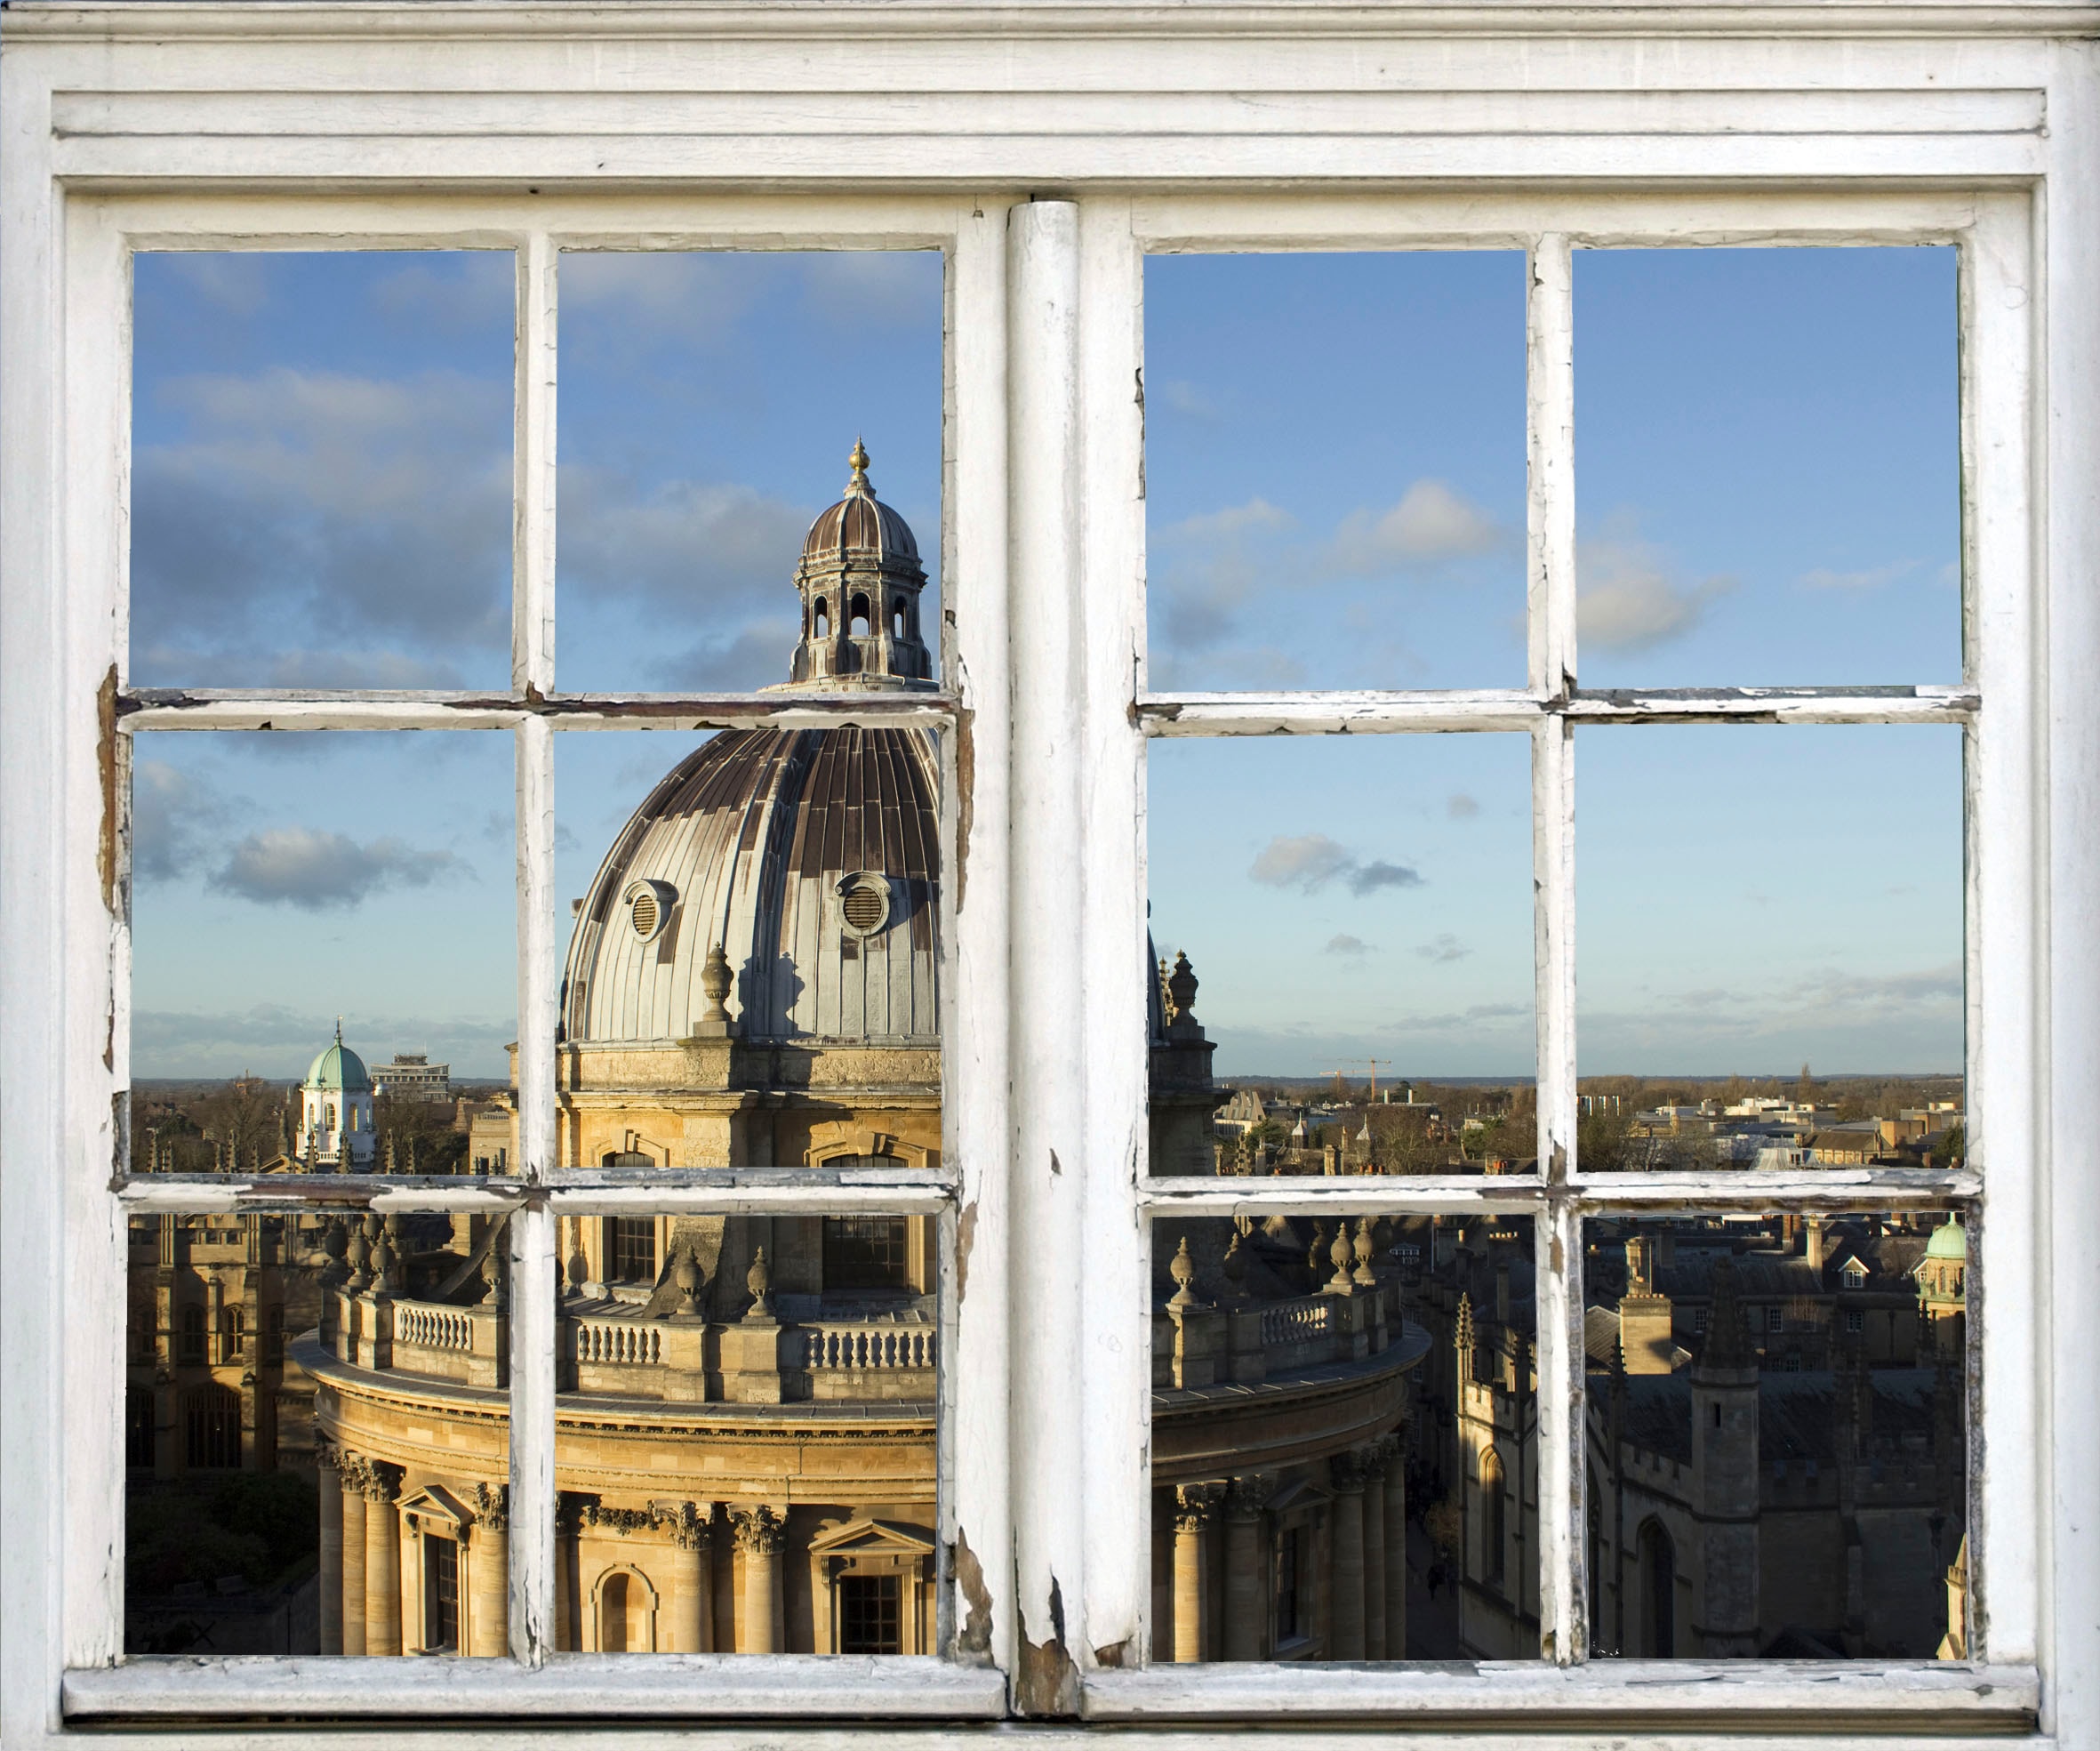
(1344,1439)
(1334,470)
(1776,1442)
(323,949)
(320,478)
(1769,930)
(711,405)
(1768,464)
(1357,912)
(752,965)
(283,1377)
(745,1444)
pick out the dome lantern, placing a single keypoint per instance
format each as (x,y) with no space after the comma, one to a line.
(860,579)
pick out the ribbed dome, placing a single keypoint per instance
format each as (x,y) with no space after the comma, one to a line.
(1950,1239)
(811,857)
(863,526)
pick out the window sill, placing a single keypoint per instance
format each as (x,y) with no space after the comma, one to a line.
(1915,1695)
(578,1686)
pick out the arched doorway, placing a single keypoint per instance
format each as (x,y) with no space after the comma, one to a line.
(1658,1589)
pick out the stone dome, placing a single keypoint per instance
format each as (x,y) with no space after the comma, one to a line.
(809,857)
(1950,1239)
(338,1067)
(860,579)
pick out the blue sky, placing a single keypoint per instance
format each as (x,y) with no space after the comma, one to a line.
(1767,491)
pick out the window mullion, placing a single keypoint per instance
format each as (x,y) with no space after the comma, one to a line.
(1550,381)
(976,1111)
(2005,941)
(1048,885)
(532,1508)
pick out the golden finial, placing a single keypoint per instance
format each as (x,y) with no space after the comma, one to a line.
(859,459)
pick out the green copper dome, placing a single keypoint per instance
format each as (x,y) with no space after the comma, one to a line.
(338,1067)
(1950,1240)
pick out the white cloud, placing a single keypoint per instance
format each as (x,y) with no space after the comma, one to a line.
(1460,807)
(1628,598)
(317,871)
(1256,515)
(175,817)
(1354,947)
(1445,948)
(237,281)
(1430,524)
(318,528)
(1872,578)
(1310,861)
(1186,397)
(271,1040)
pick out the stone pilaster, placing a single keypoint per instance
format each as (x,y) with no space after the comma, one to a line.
(760,1535)
(488,1567)
(1346,1569)
(1374,1534)
(692,1580)
(1245,1613)
(351,1506)
(382,1559)
(1196,1507)
(330,1600)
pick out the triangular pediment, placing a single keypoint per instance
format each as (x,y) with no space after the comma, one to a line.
(437,1506)
(862,1538)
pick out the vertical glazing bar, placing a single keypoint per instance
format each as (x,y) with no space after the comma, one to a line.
(1549,321)
(532,1244)
(1048,877)
(977,1112)
(2004,943)
(1117,1402)
(532,620)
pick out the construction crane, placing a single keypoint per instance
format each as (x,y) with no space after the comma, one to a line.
(1352,1062)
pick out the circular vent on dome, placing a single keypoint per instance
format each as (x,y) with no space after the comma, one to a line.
(864,905)
(648,906)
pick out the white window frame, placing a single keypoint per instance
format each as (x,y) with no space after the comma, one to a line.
(1548,128)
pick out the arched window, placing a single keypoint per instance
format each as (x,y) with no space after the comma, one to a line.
(1495,1524)
(897,618)
(824,618)
(612,1615)
(193,1336)
(231,1331)
(331,1119)
(1658,1587)
(858,617)
(212,1428)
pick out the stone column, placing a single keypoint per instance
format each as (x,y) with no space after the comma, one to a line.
(331,1601)
(1345,1572)
(352,1508)
(566,1639)
(488,1562)
(1395,1549)
(693,1580)
(1374,1459)
(382,1560)
(1195,1507)
(759,1535)
(1245,1618)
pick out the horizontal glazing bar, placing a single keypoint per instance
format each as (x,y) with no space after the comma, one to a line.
(1827,1188)
(584,1686)
(1488,709)
(1818,1188)
(1939,1696)
(202,709)
(925,1195)
(211,1194)
(1368,1192)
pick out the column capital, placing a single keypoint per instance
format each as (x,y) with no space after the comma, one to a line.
(1196,1505)
(1248,1495)
(327,1455)
(1372,1457)
(569,1510)
(380,1482)
(1345,1472)
(691,1525)
(760,1531)
(491,1507)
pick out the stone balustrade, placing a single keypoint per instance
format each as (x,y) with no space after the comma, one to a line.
(1205,1345)
(434,1339)
(866,1346)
